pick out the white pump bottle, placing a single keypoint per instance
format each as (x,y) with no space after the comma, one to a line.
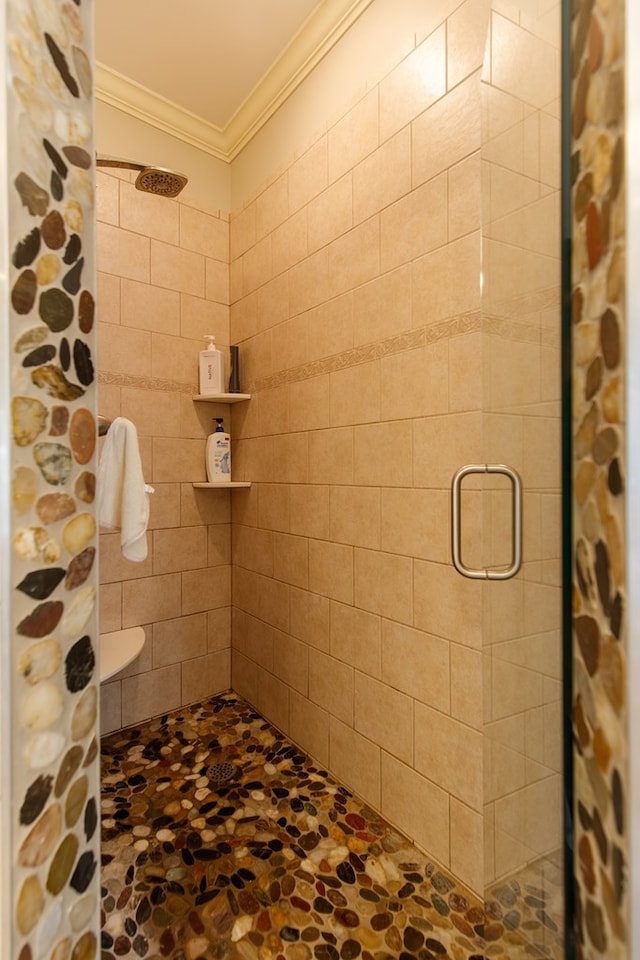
(211,368)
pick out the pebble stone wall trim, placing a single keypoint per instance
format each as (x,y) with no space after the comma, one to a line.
(51,358)
(599,588)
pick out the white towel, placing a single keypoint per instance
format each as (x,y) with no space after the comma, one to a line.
(123,496)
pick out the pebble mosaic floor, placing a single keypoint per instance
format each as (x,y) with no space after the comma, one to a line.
(221,840)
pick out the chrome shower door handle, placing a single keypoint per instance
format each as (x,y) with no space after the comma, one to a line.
(456,531)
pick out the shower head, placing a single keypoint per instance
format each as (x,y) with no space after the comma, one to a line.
(158,180)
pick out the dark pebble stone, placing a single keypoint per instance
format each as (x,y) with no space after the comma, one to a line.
(346,872)
(610,338)
(356,862)
(600,836)
(40,355)
(617,796)
(588,634)
(326,951)
(196,923)
(350,949)
(618,873)
(290,934)
(206,897)
(194,840)
(54,231)
(130,927)
(84,871)
(544,917)
(80,568)
(414,877)
(90,818)
(35,799)
(347,918)
(275,891)
(40,584)
(369,895)
(440,905)
(615,620)
(280,792)
(32,195)
(237,881)
(106,940)
(79,663)
(406,890)
(42,621)
(72,250)
(56,186)
(380,921)
(82,362)
(55,309)
(614,478)
(77,156)
(534,902)
(441,883)
(300,904)
(140,946)
(310,934)
(27,249)
(512,919)
(167,943)
(249,876)
(55,158)
(436,947)
(23,293)
(143,911)
(336,898)
(122,946)
(157,896)
(86,311)
(60,62)
(65,354)
(322,905)
(73,278)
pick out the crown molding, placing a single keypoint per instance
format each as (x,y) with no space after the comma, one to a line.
(313,41)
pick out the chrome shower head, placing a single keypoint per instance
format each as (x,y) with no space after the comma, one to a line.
(158,180)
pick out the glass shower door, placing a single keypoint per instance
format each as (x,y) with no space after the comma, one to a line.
(521,318)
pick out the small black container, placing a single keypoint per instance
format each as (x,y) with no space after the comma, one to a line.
(234,370)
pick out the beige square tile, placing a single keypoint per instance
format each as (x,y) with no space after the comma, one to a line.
(310,618)
(291,661)
(150,308)
(175,359)
(309,282)
(418,807)
(382,308)
(331,685)
(415,523)
(144,661)
(382,177)
(467,842)
(447,604)
(466,685)
(354,136)
(236,280)
(289,344)
(290,458)
(110,617)
(218,544)
(273,506)
(150,599)
(258,264)
(244,506)
(110,707)
(244,677)
(418,81)
(253,549)
(253,460)
(525,815)
(218,629)
(331,455)
(242,231)
(273,302)
(272,206)
(464,193)
(440,744)
(179,639)
(384,715)
(291,559)
(370,468)
(206,676)
(216,286)
(178,460)
(107,198)
(414,225)
(383,584)
(273,700)
(415,383)
(457,440)
(113,565)
(417,664)
(309,727)
(273,411)
(447,132)
(199,506)
(355,638)
(289,243)
(330,215)
(355,761)
(330,327)
(123,350)
(177,269)
(149,215)
(514,689)
(154,413)
(354,258)
(108,298)
(203,233)
(243,319)
(205,589)
(355,394)
(524,65)
(331,570)
(355,516)
(151,694)
(274,603)
(467,33)
(308,175)
(465,372)
(446,282)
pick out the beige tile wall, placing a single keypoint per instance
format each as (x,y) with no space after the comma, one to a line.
(355,297)
(163,284)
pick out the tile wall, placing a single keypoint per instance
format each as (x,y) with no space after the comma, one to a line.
(162,285)
(355,300)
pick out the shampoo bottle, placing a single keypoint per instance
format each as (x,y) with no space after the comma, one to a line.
(211,368)
(218,454)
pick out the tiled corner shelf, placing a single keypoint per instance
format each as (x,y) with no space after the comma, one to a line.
(222,398)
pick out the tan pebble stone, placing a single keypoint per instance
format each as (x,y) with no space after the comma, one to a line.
(165,835)
(38,108)
(195,947)
(615,276)
(70,763)
(356,845)
(36,543)
(62,865)
(586,433)
(43,749)
(172,809)
(86,948)
(62,950)
(28,419)
(59,421)
(82,912)
(84,715)
(78,612)
(616,550)
(54,461)
(40,661)
(368,938)
(601,749)
(612,400)
(584,480)
(31,338)
(74,804)
(85,487)
(40,841)
(78,532)
(141,830)
(47,269)
(612,674)
(29,905)
(51,378)
(73,216)
(586,342)
(590,522)
(24,487)
(602,161)
(82,435)
(42,706)
(52,507)
(141,845)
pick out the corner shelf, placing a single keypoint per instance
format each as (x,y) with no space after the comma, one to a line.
(221,397)
(226,484)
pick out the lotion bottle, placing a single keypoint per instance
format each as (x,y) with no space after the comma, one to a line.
(211,368)
(218,454)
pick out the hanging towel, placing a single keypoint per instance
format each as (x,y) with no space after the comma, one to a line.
(123,496)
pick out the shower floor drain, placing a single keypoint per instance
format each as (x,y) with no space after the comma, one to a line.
(219,772)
